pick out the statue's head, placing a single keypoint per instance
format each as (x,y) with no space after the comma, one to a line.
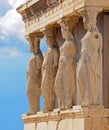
(34,45)
(50,37)
(89,20)
(36,48)
(87,23)
(50,41)
(66,30)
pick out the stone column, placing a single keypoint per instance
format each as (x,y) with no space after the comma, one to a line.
(65,82)
(89,66)
(49,69)
(34,74)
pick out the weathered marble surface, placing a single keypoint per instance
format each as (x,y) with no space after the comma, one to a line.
(65,82)
(87,119)
(89,67)
(34,77)
(49,70)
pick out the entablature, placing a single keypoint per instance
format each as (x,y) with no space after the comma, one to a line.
(37,14)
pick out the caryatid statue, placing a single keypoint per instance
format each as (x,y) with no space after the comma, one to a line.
(89,66)
(65,82)
(34,75)
(49,70)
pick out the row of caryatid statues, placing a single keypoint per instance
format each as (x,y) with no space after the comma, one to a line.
(57,75)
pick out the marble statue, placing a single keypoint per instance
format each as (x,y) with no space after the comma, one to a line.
(65,82)
(89,66)
(49,70)
(34,79)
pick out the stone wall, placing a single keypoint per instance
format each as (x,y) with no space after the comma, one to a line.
(81,119)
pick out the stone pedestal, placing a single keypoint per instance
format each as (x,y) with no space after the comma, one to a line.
(72,119)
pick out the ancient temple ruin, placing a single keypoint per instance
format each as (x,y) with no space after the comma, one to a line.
(75,68)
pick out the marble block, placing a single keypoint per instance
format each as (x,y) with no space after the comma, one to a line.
(86,119)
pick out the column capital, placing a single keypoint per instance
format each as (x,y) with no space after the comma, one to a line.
(89,15)
(37,35)
(68,21)
(50,33)
(50,30)
(67,25)
(89,9)
(95,8)
(34,41)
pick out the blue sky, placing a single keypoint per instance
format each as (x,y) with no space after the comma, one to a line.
(14,56)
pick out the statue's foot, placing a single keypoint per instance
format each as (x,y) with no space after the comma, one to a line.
(31,113)
(85,104)
(45,110)
(62,108)
(67,107)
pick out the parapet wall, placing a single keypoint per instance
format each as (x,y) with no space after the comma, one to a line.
(80,119)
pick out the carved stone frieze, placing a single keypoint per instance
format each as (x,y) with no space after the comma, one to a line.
(37,9)
(51,2)
(34,10)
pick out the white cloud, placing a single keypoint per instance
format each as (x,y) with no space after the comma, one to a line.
(10,52)
(16,3)
(11,23)
(2,37)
